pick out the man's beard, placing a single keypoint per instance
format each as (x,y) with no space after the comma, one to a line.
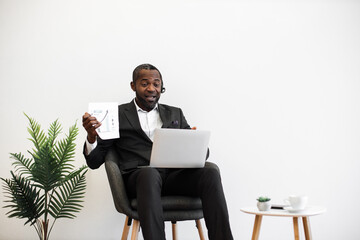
(147,105)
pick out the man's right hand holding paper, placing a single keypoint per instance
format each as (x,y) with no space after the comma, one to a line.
(90,124)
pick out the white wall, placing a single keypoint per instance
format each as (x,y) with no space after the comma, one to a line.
(277,83)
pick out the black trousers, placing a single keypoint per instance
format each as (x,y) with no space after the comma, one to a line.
(149,184)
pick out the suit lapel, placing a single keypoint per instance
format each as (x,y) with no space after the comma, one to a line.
(133,118)
(164,115)
(166,118)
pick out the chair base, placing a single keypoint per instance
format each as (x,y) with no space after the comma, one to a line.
(136,229)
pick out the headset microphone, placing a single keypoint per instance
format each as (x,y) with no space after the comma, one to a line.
(163,90)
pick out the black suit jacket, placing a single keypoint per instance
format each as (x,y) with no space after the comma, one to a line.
(134,146)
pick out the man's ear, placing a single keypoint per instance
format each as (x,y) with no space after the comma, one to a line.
(133,87)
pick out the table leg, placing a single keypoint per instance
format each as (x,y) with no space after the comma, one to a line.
(257,225)
(296,227)
(307,230)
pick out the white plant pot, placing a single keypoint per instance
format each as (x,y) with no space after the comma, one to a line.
(264,206)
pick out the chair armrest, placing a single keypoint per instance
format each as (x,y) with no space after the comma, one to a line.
(116,182)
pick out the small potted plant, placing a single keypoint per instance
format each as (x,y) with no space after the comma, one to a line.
(263,203)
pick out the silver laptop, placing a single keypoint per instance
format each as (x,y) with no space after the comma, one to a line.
(179,148)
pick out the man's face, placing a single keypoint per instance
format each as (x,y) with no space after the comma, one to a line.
(148,89)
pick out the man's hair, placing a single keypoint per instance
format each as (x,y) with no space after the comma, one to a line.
(145,66)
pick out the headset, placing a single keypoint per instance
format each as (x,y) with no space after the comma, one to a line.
(162,87)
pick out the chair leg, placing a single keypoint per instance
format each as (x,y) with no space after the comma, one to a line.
(199,227)
(135,230)
(126,228)
(174,232)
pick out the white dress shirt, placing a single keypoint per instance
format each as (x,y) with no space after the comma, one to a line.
(149,121)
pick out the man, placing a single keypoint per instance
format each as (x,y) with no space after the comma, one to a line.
(138,120)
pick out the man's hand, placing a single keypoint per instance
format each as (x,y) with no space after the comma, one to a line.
(90,124)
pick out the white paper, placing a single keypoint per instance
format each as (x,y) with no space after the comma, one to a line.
(107,114)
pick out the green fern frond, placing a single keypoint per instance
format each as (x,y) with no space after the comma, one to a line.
(74,173)
(68,197)
(46,171)
(38,135)
(53,132)
(24,199)
(22,164)
(65,150)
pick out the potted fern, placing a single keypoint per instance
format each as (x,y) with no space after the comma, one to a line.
(46,185)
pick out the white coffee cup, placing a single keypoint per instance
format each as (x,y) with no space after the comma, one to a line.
(297,202)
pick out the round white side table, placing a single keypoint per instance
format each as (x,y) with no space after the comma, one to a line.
(304,214)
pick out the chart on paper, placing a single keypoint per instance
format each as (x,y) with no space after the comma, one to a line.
(107,114)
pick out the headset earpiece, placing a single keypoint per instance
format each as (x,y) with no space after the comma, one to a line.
(162,86)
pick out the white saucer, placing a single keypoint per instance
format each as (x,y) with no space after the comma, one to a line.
(291,210)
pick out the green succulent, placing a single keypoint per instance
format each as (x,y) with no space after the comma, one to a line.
(46,184)
(263,199)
